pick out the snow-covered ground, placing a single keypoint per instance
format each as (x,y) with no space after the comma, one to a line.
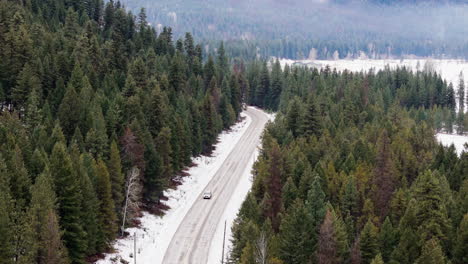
(230,212)
(457,140)
(155,233)
(448,69)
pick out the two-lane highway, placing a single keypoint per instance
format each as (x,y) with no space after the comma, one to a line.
(191,242)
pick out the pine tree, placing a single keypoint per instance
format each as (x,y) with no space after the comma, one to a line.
(311,121)
(460,251)
(6,211)
(165,150)
(45,221)
(116,176)
(289,193)
(384,176)
(86,169)
(431,253)
(378,260)
(387,239)
(369,246)
(272,202)
(107,217)
(431,214)
(315,204)
(408,248)
(461,94)
(69,199)
(69,111)
(276,85)
(33,112)
(327,248)
(20,180)
(157,112)
(293,117)
(295,235)
(27,82)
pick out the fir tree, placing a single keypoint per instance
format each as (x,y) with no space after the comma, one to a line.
(327,248)
(6,211)
(369,246)
(69,111)
(387,239)
(431,253)
(107,216)
(460,251)
(69,200)
(45,221)
(116,176)
(461,94)
(295,235)
(311,121)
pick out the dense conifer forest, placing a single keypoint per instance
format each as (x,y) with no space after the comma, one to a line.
(350,171)
(293,28)
(99,112)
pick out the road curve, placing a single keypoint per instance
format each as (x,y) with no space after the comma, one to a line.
(191,242)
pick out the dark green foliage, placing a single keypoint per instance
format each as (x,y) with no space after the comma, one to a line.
(107,216)
(361,145)
(369,246)
(69,198)
(296,233)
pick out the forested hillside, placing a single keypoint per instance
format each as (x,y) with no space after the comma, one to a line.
(350,171)
(324,29)
(99,112)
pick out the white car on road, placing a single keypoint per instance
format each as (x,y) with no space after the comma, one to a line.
(207,195)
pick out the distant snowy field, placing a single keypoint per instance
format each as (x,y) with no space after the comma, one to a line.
(457,140)
(448,69)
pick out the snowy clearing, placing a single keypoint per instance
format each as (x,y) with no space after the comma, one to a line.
(155,233)
(457,140)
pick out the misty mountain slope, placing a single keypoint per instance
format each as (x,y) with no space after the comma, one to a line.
(424,28)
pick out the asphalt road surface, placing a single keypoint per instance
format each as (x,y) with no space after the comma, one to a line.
(191,242)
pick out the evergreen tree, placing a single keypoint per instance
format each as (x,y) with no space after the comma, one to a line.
(6,211)
(387,239)
(107,216)
(19,179)
(295,235)
(432,253)
(116,176)
(384,176)
(69,111)
(69,199)
(461,94)
(327,248)
(431,214)
(460,251)
(378,260)
(45,221)
(369,246)
(311,121)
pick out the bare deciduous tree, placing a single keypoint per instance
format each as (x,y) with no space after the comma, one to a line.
(133,191)
(261,249)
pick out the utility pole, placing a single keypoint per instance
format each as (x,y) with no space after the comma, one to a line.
(224,239)
(134,248)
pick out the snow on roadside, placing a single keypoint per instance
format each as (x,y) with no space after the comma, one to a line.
(233,206)
(155,233)
(457,140)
